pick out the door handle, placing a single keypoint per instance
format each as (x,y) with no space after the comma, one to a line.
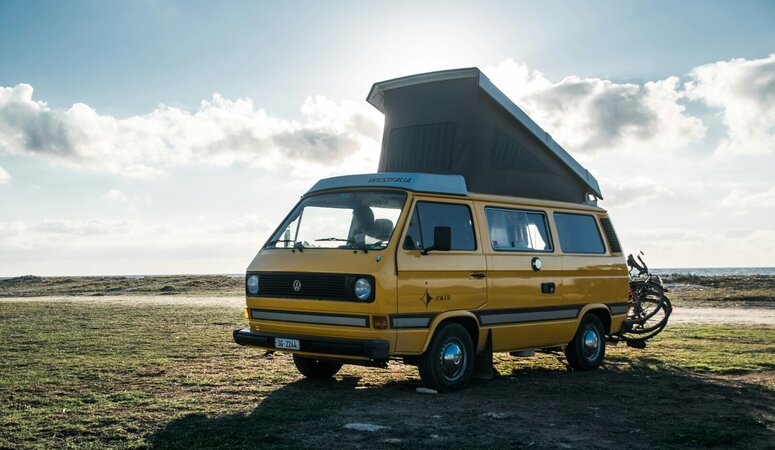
(548,288)
(478,275)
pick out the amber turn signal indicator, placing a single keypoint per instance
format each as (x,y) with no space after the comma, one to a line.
(380,322)
(245,313)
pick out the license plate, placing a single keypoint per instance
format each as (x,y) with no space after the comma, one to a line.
(287,344)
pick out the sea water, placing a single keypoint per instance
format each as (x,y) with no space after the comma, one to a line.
(718,271)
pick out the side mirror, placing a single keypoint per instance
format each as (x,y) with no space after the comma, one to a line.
(442,240)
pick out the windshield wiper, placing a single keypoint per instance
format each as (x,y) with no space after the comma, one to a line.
(349,241)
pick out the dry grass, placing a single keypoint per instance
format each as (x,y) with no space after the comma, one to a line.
(686,290)
(168,376)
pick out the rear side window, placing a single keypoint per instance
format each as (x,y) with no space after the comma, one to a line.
(428,215)
(516,230)
(578,233)
(610,234)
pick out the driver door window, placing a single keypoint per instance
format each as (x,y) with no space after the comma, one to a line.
(429,215)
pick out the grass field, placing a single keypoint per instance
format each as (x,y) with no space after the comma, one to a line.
(168,376)
(747,291)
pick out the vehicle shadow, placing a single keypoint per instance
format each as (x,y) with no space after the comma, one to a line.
(640,405)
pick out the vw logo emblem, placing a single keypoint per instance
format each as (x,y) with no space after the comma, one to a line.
(296,285)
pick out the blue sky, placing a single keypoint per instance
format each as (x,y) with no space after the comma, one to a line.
(143,188)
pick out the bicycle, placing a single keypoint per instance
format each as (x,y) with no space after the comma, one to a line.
(649,309)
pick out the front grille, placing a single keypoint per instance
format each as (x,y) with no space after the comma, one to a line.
(317,286)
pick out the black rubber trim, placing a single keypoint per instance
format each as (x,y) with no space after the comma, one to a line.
(615,306)
(374,349)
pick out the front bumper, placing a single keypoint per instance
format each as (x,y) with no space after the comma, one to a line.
(374,349)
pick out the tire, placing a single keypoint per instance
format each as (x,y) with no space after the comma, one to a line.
(448,362)
(587,349)
(317,369)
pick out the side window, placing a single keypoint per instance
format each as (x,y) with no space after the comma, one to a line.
(578,233)
(429,215)
(516,230)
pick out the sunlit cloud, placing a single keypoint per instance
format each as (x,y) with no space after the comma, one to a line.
(744,198)
(593,115)
(220,132)
(5,177)
(744,91)
(633,191)
(104,245)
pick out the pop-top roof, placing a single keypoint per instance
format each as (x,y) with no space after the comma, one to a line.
(417,182)
(458,122)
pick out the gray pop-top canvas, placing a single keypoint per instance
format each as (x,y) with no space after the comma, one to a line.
(458,122)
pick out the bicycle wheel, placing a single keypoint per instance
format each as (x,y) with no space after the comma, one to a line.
(656,321)
(648,298)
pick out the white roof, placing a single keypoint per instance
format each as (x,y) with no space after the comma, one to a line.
(417,182)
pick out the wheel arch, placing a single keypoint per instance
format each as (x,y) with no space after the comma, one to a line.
(601,311)
(465,318)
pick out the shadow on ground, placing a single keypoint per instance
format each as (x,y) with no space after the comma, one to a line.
(624,404)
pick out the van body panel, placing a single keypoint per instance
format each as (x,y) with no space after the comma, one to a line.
(595,278)
(416,292)
(533,335)
(437,282)
(418,340)
(321,261)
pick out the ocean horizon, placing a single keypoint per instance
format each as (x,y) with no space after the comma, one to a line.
(698,271)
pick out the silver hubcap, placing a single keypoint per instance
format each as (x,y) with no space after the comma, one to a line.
(591,344)
(452,360)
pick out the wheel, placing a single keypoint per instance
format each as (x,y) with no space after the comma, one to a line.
(317,369)
(587,349)
(448,363)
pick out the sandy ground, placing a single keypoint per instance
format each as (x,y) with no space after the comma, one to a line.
(747,316)
(753,316)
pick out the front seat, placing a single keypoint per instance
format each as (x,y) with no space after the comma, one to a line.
(382,229)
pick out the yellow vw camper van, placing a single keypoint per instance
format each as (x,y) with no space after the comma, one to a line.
(493,243)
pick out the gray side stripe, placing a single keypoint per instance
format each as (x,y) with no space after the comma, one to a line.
(536,316)
(310,318)
(619,309)
(411,322)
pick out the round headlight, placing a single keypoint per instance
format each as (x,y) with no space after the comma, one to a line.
(362,289)
(253,284)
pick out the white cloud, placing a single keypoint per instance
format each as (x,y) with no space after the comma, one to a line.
(592,114)
(84,228)
(743,198)
(102,246)
(114,195)
(744,90)
(679,247)
(5,177)
(219,132)
(627,192)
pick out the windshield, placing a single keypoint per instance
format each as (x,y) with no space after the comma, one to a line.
(348,220)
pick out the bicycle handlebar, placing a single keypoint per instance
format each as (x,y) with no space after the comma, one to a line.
(641,268)
(645,267)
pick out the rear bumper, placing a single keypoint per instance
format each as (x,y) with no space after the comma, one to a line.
(375,350)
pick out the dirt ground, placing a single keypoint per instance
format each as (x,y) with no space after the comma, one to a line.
(126,363)
(161,372)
